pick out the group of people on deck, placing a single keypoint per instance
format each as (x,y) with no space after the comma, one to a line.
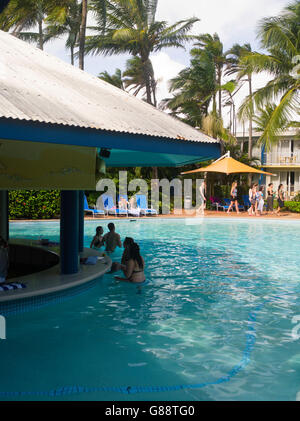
(132,263)
(256,199)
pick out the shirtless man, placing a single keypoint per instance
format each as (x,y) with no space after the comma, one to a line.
(111,239)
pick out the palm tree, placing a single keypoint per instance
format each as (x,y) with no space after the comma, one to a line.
(193,89)
(116,79)
(132,28)
(22,15)
(212,47)
(280,37)
(65,22)
(243,73)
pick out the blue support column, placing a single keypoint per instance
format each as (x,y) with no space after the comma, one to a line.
(4,230)
(81,221)
(262,179)
(69,228)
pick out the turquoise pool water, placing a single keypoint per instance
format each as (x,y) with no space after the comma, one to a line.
(214,322)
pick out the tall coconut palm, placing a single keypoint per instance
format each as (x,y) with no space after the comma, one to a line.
(193,89)
(22,15)
(280,37)
(134,78)
(211,45)
(243,73)
(115,79)
(132,28)
(65,21)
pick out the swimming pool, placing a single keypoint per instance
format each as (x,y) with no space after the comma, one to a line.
(216,321)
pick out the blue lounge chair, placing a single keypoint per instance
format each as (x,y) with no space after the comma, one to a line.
(227,204)
(96,212)
(247,203)
(131,211)
(110,208)
(143,206)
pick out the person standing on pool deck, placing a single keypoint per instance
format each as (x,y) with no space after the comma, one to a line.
(233,197)
(202,198)
(250,210)
(112,239)
(280,198)
(270,198)
(253,199)
(260,200)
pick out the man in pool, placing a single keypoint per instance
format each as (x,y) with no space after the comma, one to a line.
(111,239)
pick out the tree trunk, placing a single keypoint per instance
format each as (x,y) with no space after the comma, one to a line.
(148,91)
(220,92)
(72,54)
(41,37)
(250,127)
(82,34)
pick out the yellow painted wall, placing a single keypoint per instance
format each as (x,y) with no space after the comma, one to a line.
(33,165)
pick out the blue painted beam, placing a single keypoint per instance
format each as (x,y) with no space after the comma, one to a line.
(4,215)
(80,220)
(69,135)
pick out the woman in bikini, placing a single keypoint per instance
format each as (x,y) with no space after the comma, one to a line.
(233,198)
(97,241)
(280,198)
(127,243)
(134,267)
(270,198)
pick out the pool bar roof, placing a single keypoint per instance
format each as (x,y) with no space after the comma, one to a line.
(44,99)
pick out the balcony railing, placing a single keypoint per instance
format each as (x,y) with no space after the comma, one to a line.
(282,160)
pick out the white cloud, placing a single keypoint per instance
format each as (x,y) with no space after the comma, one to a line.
(164,69)
(231,19)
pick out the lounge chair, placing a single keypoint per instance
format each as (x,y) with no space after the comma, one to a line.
(131,211)
(216,203)
(227,204)
(94,212)
(141,202)
(110,208)
(246,200)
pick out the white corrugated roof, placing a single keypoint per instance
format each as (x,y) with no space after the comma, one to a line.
(37,86)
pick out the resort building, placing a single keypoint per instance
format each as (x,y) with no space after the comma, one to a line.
(283,160)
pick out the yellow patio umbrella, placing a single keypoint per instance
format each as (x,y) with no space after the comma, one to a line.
(228,165)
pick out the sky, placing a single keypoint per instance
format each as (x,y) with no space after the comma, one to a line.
(235,21)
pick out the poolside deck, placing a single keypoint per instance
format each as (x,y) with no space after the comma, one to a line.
(51,280)
(184,214)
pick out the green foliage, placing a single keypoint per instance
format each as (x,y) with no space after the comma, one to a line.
(32,204)
(292,206)
(279,37)
(296,198)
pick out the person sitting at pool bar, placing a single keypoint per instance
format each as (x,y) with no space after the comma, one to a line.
(125,256)
(134,267)
(111,239)
(97,240)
